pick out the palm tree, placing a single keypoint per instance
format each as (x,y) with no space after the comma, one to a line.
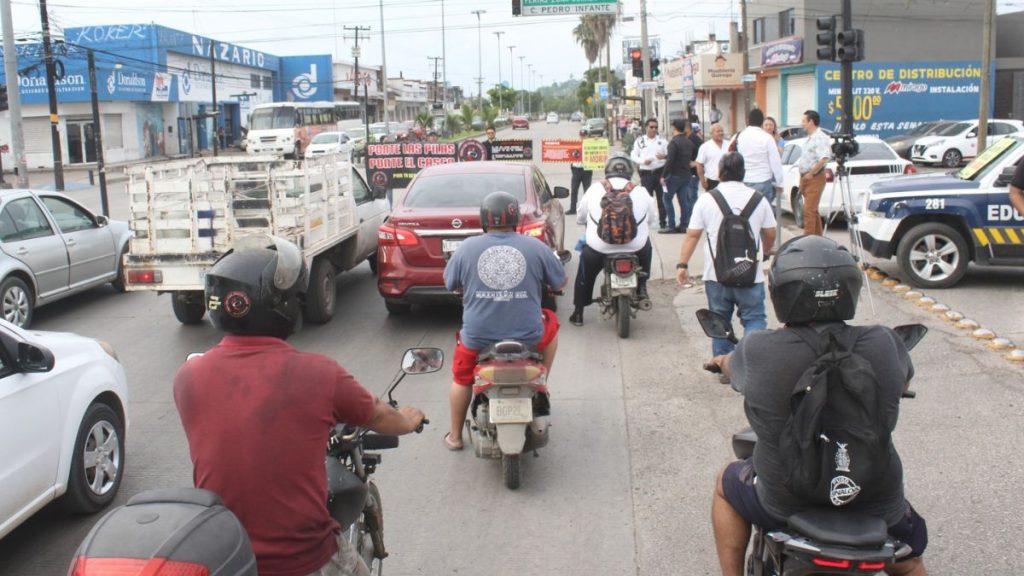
(585,37)
(425,120)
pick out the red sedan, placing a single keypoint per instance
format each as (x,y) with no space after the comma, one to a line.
(442,208)
(520,122)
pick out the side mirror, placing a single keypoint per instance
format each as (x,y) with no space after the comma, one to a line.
(715,325)
(380,193)
(561,192)
(102,220)
(33,358)
(911,334)
(1006,176)
(422,360)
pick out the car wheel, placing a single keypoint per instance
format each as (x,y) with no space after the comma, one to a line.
(798,209)
(18,302)
(97,463)
(319,306)
(372,261)
(952,158)
(933,255)
(397,308)
(120,282)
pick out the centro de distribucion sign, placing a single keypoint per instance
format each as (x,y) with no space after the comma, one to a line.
(562,7)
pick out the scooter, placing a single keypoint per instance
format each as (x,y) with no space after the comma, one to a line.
(189,531)
(817,541)
(619,294)
(510,407)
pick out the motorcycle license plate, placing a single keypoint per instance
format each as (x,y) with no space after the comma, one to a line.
(511,410)
(448,245)
(620,282)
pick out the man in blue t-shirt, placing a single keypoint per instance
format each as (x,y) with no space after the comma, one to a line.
(502,276)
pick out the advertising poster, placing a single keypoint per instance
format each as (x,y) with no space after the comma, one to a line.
(395,165)
(891,98)
(512,150)
(595,153)
(561,151)
(150,121)
(785,52)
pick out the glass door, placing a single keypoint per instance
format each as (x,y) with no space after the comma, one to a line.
(81,142)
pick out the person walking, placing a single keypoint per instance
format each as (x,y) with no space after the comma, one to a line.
(621,123)
(708,157)
(761,156)
(649,153)
(716,114)
(580,176)
(816,154)
(677,178)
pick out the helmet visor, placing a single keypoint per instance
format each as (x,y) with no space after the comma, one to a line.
(289,257)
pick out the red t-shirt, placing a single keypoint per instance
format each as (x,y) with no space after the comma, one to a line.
(257,414)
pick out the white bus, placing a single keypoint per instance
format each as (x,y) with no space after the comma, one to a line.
(288,127)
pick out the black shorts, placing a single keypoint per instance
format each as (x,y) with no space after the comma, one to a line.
(738,487)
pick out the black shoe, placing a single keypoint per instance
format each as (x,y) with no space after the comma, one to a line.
(669,231)
(661,225)
(570,212)
(641,293)
(577,318)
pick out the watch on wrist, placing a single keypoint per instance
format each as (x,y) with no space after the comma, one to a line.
(682,266)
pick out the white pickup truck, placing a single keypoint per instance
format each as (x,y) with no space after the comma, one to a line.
(185,214)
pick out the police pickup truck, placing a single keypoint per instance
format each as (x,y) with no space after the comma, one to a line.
(935,224)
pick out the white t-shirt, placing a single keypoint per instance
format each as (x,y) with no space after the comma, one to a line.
(710,155)
(760,154)
(708,217)
(589,213)
(645,148)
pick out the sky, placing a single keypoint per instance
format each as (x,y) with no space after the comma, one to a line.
(412,30)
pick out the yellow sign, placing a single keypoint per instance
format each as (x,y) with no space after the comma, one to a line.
(595,153)
(984,159)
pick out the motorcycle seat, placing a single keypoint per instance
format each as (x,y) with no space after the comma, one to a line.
(840,527)
(509,351)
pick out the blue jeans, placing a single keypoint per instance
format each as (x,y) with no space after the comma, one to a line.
(749,306)
(766,188)
(677,187)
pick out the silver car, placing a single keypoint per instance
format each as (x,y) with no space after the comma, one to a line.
(52,247)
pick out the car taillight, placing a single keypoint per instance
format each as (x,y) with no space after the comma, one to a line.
(145,277)
(830,563)
(910,169)
(389,235)
(623,266)
(535,229)
(135,567)
(871,566)
(830,176)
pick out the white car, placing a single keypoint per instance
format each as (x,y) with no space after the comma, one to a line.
(552,117)
(959,141)
(63,419)
(875,161)
(329,143)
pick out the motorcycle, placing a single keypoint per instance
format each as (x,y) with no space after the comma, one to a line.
(510,407)
(189,531)
(619,295)
(823,540)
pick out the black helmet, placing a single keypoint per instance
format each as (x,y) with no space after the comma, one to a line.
(499,209)
(255,288)
(619,166)
(814,279)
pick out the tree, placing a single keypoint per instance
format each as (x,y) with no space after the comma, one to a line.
(454,124)
(425,120)
(503,94)
(488,115)
(587,40)
(467,115)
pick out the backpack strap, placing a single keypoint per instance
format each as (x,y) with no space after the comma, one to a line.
(752,205)
(716,194)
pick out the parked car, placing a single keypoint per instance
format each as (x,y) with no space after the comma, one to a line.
(594,127)
(52,247)
(875,161)
(903,143)
(552,118)
(329,143)
(959,141)
(442,208)
(576,117)
(63,417)
(793,132)
(522,122)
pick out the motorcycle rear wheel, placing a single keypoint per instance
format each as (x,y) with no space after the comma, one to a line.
(510,470)
(622,311)
(364,538)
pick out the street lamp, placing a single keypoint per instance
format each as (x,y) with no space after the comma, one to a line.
(532,85)
(480,61)
(500,87)
(512,75)
(522,78)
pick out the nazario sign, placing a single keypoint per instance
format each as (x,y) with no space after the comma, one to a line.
(563,7)
(395,165)
(512,150)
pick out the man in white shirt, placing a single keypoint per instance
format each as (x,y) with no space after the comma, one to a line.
(707,218)
(760,155)
(649,153)
(817,152)
(708,157)
(618,171)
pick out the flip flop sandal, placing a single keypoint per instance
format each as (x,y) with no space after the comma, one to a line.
(450,445)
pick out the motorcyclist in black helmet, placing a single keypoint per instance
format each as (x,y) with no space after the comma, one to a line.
(257,412)
(814,284)
(618,174)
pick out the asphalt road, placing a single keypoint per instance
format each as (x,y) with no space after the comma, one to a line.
(638,432)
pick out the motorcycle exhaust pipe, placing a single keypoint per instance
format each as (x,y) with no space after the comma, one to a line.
(646,304)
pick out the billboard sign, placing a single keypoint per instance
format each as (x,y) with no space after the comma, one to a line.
(306,78)
(892,98)
(719,71)
(567,7)
(785,52)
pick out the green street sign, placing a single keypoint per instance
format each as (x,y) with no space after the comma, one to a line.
(570,7)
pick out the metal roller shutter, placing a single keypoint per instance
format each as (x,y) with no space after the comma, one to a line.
(37,135)
(771,89)
(799,97)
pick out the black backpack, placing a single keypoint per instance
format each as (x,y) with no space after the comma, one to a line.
(735,257)
(835,444)
(617,225)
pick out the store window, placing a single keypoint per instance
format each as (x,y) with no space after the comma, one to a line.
(787,23)
(254,80)
(759,37)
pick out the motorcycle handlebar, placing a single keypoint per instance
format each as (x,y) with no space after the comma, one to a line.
(379,442)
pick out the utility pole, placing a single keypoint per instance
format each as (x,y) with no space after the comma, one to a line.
(531,84)
(444,59)
(986,69)
(436,59)
(847,74)
(356,79)
(501,105)
(383,70)
(744,48)
(14,97)
(51,91)
(645,54)
(479,61)
(98,134)
(213,86)
(522,80)
(512,76)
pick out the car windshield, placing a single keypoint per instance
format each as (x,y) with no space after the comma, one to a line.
(273,119)
(595,122)
(356,132)
(992,156)
(462,190)
(326,138)
(875,151)
(954,129)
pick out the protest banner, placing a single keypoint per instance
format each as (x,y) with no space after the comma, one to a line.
(395,165)
(512,150)
(561,151)
(595,153)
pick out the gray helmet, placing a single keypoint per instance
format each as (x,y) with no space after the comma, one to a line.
(814,279)
(619,166)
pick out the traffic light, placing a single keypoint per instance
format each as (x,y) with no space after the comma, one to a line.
(827,38)
(3,97)
(850,45)
(636,56)
(655,62)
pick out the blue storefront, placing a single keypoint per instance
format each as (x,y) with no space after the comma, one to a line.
(155,91)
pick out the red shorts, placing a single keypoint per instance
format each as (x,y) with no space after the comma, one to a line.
(464,359)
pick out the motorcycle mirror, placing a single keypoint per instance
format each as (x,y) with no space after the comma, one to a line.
(911,334)
(715,325)
(193,355)
(422,360)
